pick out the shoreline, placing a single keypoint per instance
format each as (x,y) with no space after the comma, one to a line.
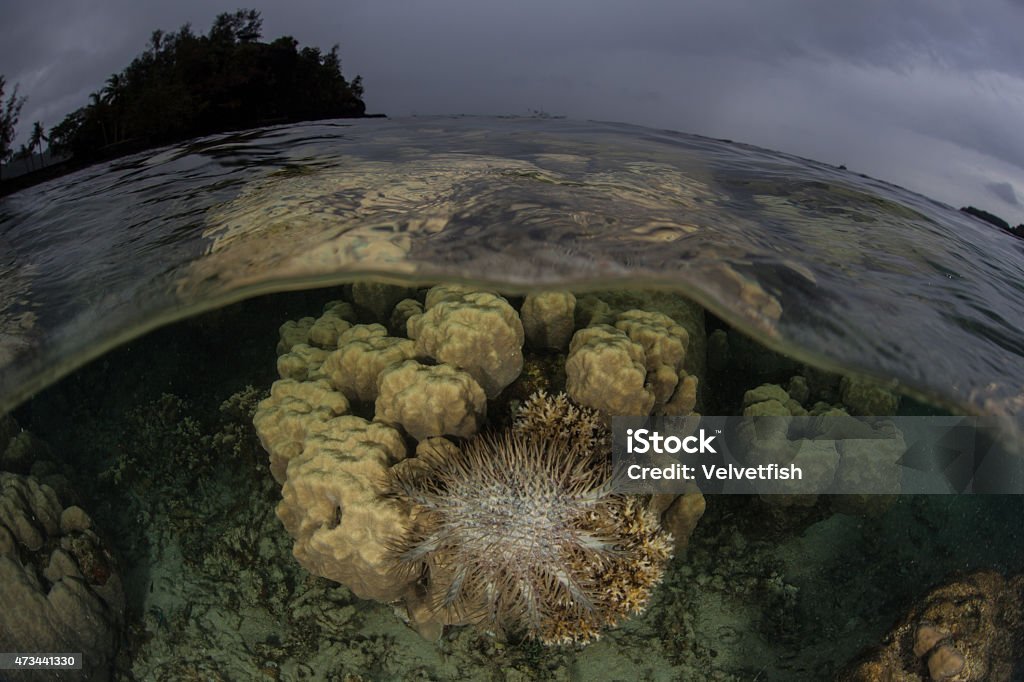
(127,148)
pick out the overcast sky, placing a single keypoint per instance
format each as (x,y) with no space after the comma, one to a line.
(928,94)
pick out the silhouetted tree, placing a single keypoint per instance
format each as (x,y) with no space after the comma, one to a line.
(36,140)
(185,85)
(986,216)
(112,98)
(993,219)
(156,39)
(70,135)
(244,26)
(99,113)
(9,113)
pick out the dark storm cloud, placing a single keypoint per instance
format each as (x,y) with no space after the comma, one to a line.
(928,95)
(59,51)
(1004,191)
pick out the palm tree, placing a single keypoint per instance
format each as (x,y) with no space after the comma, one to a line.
(98,106)
(35,141)
(114,88)
(113,98)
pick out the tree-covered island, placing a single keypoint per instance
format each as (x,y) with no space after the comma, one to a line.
(185,85)
(993,219)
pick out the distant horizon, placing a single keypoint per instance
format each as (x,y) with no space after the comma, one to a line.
(21,165)
(925,96)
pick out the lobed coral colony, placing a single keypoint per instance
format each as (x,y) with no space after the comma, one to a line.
(404,478)
(60,589)
(446,450)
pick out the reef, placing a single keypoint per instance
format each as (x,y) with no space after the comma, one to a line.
(380,439)
(969,630)
(59,584)
(869,460)
(331,557)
